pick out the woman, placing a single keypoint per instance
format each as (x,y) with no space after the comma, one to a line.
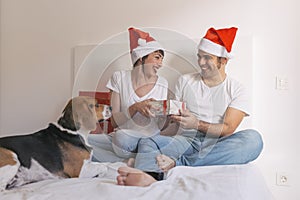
(133,92)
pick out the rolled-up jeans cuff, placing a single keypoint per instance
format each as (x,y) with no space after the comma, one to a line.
(177,162)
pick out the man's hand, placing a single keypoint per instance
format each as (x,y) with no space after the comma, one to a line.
(186,119)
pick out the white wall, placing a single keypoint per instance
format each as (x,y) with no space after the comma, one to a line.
(38,36)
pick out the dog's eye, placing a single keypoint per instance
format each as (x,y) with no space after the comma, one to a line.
(97,105)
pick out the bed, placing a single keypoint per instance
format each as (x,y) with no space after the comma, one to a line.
(234,182)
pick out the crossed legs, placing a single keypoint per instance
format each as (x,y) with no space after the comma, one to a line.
(244,146)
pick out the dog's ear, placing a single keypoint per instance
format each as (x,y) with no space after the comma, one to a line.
(86,113)
(67,119)
(79,112)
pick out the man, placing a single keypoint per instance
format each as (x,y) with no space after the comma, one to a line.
(216,105)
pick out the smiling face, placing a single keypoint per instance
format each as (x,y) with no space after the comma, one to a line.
(211,65)
(152,63)
(208,64)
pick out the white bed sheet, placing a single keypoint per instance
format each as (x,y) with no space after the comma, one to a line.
(234,182)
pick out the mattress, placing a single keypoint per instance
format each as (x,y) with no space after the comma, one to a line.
(226,182)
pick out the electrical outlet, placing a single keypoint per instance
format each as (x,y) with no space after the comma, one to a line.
(282,179)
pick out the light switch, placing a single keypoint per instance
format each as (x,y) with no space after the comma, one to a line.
(281,83)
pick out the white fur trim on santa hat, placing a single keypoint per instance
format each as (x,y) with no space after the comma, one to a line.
(144,49)
(213,48)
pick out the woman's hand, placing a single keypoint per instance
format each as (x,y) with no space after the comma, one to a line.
(143,107)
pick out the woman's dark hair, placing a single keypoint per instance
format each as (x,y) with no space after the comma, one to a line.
(144,58)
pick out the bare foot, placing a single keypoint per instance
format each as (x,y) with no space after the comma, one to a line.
(164,162)
(133,177)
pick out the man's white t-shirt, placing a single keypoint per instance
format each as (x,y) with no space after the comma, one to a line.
(210,103)
(121,83)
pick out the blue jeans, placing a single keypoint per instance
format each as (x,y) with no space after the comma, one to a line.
(149,148)
(103,148)
(114,147)
(125,143)
(239,148)
(199,150)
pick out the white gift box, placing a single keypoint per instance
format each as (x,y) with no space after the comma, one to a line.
(167,107)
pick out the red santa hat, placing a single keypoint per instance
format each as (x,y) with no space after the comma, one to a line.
(218,42)
(141,44)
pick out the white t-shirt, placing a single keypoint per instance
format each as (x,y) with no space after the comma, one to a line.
(121,83)
(210,103)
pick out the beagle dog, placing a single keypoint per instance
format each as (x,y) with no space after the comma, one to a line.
(59,151)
